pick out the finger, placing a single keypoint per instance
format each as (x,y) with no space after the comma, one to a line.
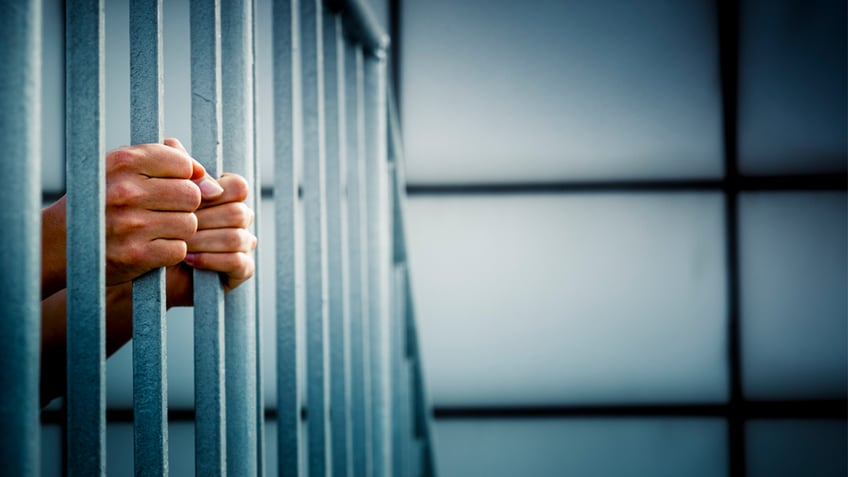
(235,190)
(209,188)
(233,214)
(154,194)
(132,259)
(143,226)
(222,240)
(166,252)
(156,160)
(238,266)
(175,143)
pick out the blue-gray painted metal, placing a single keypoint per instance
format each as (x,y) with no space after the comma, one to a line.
(378,257)
(334,105)
(209,376)
(285,201)
(238,133)
(257,298)
(357,266)
(315,233)
(150,386)
(86,275)
(20,123)
(401,433)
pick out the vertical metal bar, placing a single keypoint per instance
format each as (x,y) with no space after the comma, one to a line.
(86,275)
(378,256)
(150,387)
(285,200)
(314,207)
(357,270)
(240,324)
(209,378)
(257,298)
(20,122)
(400,433)
(334,111)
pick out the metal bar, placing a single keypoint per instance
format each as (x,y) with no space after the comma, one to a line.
(335,153)
(209,377)
(86,245)
(20,289)
(357,268)
(238,148)
(400,431)
(315,233)
(378,255)
(257,298)
(285,201)
(150,386)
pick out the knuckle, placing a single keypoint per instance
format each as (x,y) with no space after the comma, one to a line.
(123,159)
(123,193)
(234,240)
(125,224)
(192,194)
(192,223)
(176,252)
(244,214)
(239,186)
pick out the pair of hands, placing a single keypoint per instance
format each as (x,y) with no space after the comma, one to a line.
(163,210)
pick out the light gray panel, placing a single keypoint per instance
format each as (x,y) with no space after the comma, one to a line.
(119,448)
(117,74)
(265,97)
(53,96)
(596,447)
(51,450)
(793,86)
(266,282)
(176,34)
(505,91)
(549,299)
(793,257)
(795,447)
(177,86)
(180,353)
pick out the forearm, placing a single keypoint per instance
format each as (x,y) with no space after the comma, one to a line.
(54,335)
(53,248)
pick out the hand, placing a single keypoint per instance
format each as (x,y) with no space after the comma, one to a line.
(222,242)
(152,191)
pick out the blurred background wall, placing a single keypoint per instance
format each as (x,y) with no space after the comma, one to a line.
(627,224)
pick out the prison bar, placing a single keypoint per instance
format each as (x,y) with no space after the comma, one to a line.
(378,259)
(239,304)
(150,386)
(363,373)
(285,206)
(86,276)
(338,335)
(315,232)
(20,123)
(357,291)
(206,120)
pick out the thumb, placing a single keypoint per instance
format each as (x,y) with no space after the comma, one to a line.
(209,187)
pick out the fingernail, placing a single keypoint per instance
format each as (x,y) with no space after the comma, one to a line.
(209,187)
(189,258)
